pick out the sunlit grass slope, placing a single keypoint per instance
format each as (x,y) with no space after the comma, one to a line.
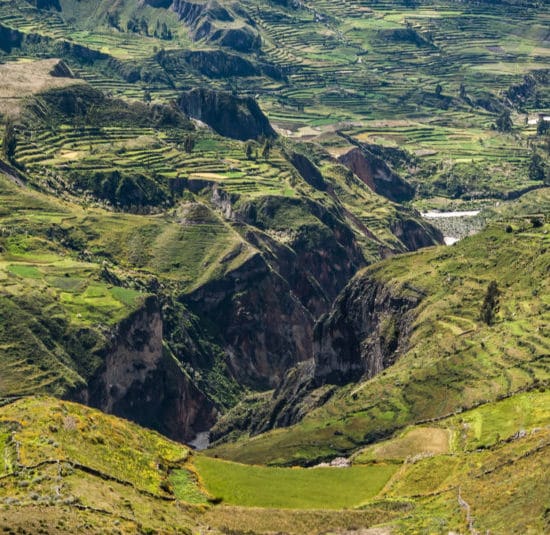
(67,468)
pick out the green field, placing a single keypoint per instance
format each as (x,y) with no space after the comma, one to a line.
(292,488)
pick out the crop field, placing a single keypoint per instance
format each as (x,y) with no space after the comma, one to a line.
(140,150)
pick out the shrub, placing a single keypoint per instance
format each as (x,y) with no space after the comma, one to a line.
(490,305)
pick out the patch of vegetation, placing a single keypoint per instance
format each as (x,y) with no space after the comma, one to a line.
(71,459)
(319,488)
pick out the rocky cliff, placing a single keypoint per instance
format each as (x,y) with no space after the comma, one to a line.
(263,328)
(376,174)
(229,115)
(366,331)
(413,232)
(141,380)
(263,312)
(227,25)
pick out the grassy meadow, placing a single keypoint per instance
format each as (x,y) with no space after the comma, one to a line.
(292,488)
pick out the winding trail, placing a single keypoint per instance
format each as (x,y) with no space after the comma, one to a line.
(469,518)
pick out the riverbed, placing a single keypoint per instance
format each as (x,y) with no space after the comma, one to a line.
(455,225)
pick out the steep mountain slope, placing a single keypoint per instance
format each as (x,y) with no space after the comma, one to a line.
(407,339)
(211,284)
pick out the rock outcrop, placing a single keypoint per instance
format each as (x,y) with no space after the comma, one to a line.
(229,115)
(376,174)
(365,332)
(140,380)
(227,25)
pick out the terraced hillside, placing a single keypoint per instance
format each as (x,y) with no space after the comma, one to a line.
(429,76)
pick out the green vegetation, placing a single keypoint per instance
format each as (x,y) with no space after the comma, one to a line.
(292,488)
(126,229)
(77,465)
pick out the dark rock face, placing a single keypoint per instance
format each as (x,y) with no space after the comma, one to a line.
(230,116)
(159,3)
(318,259)
(263,328)
(46,4)
(191,12)
(140,381)
(262,314)
(61,70)
(414,234)
(10,39)
(365,332)
(308,171)
(376,174)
